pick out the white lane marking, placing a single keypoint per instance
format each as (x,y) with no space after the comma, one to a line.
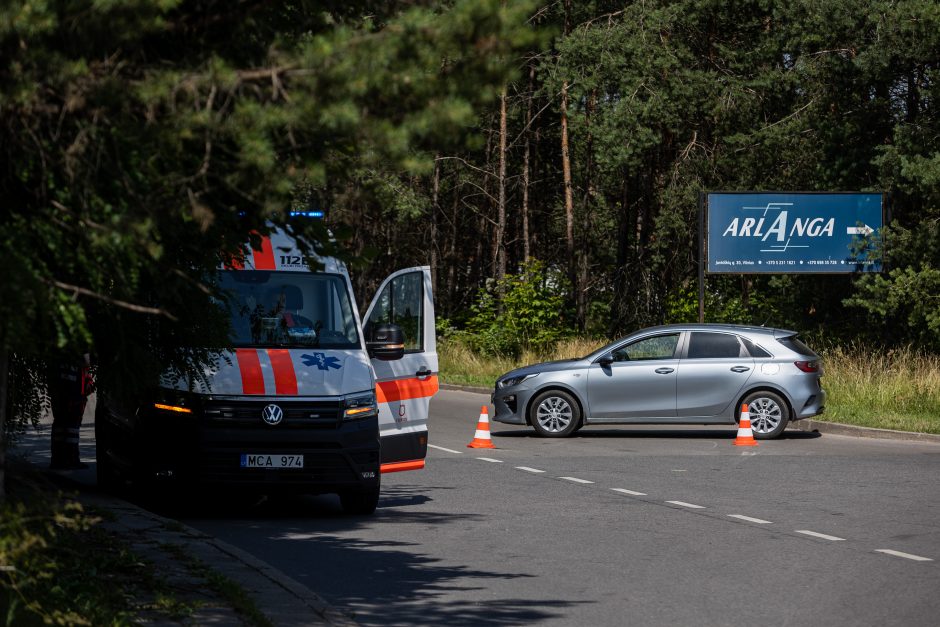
(807,532)
(490,459)
(749,519)
(684,504)
(630,492)
(679,470)
(527,469)
(448,450)
(575,479)
(907,556)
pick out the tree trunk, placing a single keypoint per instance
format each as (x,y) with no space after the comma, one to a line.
(4,388)
(500,242)
(525,169)
(435,214)
(581,287)
(566,175)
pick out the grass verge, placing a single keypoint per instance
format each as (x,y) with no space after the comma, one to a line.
(897,389)
(59,567)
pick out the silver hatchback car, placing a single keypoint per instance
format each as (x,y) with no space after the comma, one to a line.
(675,374)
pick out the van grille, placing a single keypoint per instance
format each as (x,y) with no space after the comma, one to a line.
(297,414)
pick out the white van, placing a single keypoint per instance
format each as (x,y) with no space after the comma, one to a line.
(311,400)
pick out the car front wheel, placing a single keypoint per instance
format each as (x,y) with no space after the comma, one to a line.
(555,414)
(768,412)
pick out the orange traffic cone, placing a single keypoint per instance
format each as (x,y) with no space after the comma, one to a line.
(745,435)
(481,439)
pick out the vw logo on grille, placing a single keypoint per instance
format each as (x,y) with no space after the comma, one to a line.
(272,414)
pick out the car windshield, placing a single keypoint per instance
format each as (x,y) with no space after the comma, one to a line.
(287,309)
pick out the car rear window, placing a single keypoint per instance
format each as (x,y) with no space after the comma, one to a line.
(795,344)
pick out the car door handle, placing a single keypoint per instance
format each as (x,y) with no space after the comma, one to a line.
(740,369)
(664,370)
(424,372)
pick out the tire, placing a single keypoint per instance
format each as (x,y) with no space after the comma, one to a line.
(360,502)
(555,414)
(769,414)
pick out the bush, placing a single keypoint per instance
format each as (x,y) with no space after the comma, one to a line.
(521,312)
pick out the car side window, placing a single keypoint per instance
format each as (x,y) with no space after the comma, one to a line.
(656,347)
(707,345)
(754,349)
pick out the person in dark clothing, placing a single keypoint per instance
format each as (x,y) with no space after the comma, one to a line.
(70,384)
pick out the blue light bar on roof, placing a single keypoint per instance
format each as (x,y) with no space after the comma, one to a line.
(308,214)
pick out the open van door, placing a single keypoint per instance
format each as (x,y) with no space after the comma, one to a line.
(404,386)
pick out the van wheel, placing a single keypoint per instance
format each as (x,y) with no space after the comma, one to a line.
(554,414)
(769,414)
(360,502)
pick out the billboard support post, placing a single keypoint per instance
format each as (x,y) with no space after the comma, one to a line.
(701,257)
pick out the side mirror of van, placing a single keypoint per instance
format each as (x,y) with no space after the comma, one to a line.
(386,342)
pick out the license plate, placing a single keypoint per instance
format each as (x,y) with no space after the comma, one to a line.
(272,461)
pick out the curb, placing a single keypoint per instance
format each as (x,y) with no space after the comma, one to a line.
(807,424)
(465,388)
(837,428)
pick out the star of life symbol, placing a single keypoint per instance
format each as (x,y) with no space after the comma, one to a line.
(321,361)
(272,414)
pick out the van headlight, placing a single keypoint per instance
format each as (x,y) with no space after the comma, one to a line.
(509,382)
(360,406)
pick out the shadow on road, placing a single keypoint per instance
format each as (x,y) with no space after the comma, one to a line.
(377,567)
(690,433)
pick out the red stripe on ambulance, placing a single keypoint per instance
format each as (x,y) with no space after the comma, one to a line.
(285,379)
(249,365)
(264,258)
(405,389)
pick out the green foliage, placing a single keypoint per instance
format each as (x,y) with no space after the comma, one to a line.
(143,142)
(904,303)
(523,311)
(58,567)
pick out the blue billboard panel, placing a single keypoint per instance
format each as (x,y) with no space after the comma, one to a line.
(800,233)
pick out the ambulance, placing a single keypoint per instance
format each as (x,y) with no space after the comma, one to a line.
(310,400)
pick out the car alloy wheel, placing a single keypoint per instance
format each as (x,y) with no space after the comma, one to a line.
(769,414)
(555,414)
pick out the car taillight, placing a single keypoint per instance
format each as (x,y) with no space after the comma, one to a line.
(807,366)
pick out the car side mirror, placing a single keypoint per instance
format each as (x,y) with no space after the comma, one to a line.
(606,360)
(386,342)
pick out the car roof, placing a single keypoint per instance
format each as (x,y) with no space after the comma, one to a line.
(711,326)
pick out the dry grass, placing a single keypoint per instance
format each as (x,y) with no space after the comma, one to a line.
(898,389)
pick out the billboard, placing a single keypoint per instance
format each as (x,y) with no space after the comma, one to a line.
(792,232)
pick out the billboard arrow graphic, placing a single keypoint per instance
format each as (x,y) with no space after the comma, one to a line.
(860,230)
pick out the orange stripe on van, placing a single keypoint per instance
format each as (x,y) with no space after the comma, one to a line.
(264,258)
(249,365)
(417,464)
(405,389)
(285,379)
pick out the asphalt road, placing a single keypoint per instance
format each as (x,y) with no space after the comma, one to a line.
(620,526)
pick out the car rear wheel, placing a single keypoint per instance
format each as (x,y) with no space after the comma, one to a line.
(768,412)
(555,414)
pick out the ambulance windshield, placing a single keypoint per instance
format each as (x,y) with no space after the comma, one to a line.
(287,309)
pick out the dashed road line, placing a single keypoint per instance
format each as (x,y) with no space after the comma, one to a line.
(823,536)
(907,556)
(684,504)
(527,469)
(749,519)
(575,479)
(448,450)
(630,492)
